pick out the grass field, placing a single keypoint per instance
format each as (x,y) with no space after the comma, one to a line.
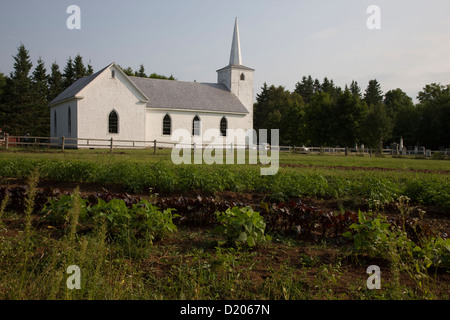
(310,193)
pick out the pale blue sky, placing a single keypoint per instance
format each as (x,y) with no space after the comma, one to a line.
(283,40)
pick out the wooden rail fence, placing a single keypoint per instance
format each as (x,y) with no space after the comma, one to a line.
(90,143)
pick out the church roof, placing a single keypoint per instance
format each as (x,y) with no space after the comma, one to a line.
(181,95)
(171,94)
(76,87)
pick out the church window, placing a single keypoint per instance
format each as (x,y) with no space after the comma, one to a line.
(167,125)
(196,126)
(223,127)
(69,121)
(55,122)
(242,77)
(113,122)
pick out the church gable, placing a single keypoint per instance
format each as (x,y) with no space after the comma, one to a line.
(113,85)
(79,89)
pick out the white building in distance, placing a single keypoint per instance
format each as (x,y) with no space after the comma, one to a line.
(110,104)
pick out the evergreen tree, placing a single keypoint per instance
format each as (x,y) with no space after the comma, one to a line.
(373,94)
(355,89)
(55,81)
(2,84)
(317,86)
(40,79)
(69,74)
(41,112)
(2,105)
(348,114)
(18,96)
(128,71)
(305,88)
(141,72)
(79,69)
(89,70)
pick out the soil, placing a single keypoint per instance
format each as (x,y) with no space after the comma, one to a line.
(351,274)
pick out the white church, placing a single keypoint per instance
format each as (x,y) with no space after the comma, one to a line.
(110,104)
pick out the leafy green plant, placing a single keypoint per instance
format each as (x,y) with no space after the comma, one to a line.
(142,221)
(241,225)
(56,210)
(150,222)
(370,234)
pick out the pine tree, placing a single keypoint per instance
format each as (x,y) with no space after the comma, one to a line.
(69,74)
(373,94)
(18,96)
(40,79)
(55,81)
(89,69)
(305,88)
(141,72)
(41,112)
(2,105)
(79,69)
(128,71)
(2,85)
(355,89)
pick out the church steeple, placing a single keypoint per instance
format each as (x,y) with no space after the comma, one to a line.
(238,79)
(235,56)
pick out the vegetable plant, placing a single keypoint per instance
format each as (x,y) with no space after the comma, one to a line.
(241,226)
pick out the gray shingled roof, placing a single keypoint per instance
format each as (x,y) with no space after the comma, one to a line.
(170,94)
(167,94)
(76,87)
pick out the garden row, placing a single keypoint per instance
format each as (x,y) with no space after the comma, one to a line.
(370,187)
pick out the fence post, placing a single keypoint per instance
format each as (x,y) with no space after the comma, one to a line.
(346,151)
(111,145)
(63,141)
(154,147)
(6,140)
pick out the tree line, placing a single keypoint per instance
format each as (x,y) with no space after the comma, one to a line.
(319,113)
(26,92)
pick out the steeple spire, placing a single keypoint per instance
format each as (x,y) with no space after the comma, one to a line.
(235,57)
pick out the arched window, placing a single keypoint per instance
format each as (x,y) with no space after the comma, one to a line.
(55,122)
(223,127)
(167,125)
(113,122)
(196,126)
(242,76)
(69,121)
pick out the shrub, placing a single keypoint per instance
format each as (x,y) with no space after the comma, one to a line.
(241,226)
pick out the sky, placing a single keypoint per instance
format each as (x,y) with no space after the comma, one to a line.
(282,40)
